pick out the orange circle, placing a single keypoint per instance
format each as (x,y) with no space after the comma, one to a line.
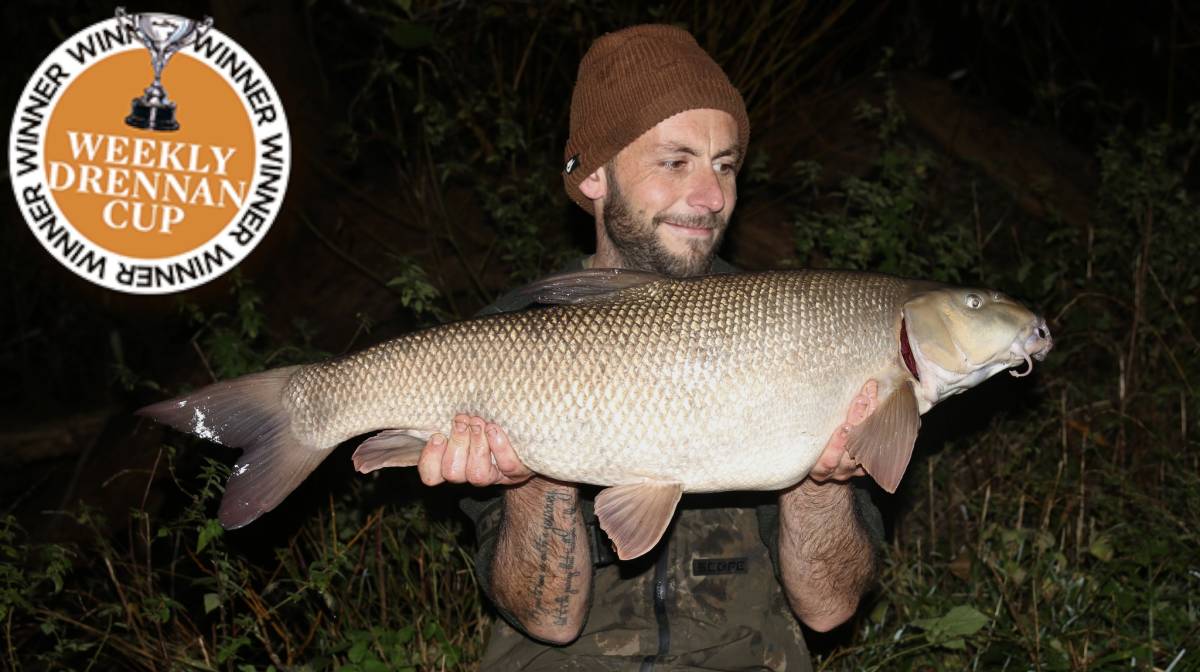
(121,186)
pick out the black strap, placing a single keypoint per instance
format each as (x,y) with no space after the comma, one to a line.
(602,548)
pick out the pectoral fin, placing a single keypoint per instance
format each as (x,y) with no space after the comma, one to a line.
(390,448)
(883,443)
(636,516)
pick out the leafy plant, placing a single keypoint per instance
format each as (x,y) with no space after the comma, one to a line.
(1019,549)
(1053,527)
(230,343)
(887,221)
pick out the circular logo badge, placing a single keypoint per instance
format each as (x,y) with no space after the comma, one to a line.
(149,153)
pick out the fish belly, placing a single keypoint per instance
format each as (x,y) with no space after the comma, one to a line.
(735,385)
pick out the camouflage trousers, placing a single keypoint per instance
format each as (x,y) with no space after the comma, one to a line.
(719,607)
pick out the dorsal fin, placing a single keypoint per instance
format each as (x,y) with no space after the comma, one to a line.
(587,286)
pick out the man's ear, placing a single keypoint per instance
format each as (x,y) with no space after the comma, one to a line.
(595,186)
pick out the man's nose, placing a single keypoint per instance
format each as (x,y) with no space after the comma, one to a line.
(705,191)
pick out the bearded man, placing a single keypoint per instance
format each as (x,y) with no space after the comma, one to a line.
(658,134)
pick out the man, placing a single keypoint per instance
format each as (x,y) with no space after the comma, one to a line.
(657,136)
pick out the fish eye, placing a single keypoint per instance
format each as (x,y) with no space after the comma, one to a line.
(974,301)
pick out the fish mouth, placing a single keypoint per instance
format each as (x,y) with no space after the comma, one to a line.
(934,382)
(1035,345)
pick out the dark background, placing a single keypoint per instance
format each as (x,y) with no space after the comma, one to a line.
(427,141)
(1054,78)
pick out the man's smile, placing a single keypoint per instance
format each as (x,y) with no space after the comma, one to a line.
(689,229)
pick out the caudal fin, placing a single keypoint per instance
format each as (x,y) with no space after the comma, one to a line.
(247,413)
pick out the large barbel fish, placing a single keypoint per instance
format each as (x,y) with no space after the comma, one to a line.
(652,386)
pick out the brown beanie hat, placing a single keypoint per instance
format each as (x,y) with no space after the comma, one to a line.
(631,80)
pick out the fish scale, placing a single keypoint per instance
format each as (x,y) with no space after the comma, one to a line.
(593,394)
(651,385)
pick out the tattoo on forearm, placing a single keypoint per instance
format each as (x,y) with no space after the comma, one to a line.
(557,533)
(569,573)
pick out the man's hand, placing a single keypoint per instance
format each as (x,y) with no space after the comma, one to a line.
(541,572)
(827,561)
(835,464)
(477,452)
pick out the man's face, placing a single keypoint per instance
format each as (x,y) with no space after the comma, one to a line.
(670,193)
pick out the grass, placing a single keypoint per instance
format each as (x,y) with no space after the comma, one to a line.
(389,588)
(1051,522)
(1047,523)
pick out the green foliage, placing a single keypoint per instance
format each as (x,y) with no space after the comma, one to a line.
(417,292)
(950,629)
(1055,531)
(887,221)
(1058,580)
(28,572)
(385,589)
(445,109)
(380,650)
(1061,535)
(232,343)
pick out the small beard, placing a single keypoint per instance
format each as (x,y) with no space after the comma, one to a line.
(642,250)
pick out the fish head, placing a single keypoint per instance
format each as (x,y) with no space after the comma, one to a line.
(959,337)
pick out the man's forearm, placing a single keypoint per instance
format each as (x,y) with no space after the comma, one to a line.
(542,570)
(826,559)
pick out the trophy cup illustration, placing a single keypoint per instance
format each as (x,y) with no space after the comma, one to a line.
(163,35)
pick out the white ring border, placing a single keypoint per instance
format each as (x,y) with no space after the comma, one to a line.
(240,252)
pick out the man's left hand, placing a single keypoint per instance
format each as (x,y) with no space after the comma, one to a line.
(835,464)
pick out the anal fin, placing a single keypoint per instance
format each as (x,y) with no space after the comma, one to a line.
(636,516)
(390,448)
(883,443)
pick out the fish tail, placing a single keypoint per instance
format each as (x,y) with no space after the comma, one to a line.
(247,413)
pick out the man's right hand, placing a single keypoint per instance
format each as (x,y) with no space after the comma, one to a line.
(528,549)
(477,452)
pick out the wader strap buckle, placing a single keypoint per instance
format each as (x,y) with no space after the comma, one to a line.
(601,545)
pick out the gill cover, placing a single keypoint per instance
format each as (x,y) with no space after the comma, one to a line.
(960,337)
